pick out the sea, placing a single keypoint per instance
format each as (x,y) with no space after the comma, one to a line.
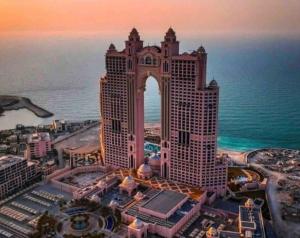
(259,79)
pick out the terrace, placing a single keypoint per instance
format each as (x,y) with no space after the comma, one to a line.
(160,183)
(82,180)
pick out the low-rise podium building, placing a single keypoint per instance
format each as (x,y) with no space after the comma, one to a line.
(15,172)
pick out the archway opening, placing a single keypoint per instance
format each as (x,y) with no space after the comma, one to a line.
(152,120)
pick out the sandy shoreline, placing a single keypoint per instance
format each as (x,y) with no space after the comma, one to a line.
(236,156)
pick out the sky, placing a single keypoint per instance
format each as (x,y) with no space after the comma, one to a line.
(188,16)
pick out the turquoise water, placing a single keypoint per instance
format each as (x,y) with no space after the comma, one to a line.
(259,80)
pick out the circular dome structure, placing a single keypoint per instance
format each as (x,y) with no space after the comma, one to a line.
(137,223)
(112,47)
(128,182)
(144,171)
(213,83)
(201,49)
(249,203)
(113,203)
(95,198)
(139,196)
(212,233)
(144,168)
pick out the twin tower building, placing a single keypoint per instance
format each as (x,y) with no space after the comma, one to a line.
(189,111)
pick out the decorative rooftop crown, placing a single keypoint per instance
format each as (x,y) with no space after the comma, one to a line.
(134,35)
(213,83)
(170,35)
(112,47)
(201,49)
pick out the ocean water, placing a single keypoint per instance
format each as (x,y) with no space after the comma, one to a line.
(259,80)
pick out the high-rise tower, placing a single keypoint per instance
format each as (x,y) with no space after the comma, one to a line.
(189,111)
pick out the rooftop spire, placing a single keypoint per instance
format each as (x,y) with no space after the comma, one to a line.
(112,47)
(134,35)
(201,49)
(170,35)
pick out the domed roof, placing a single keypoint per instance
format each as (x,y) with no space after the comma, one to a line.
(128,182)
(95,198)
(113,203)
(170,35)
(144,168)
(134,35)
(212,232)
(139,195)
(134,31)
(170,31)
(112,47)
(137,223)
(213,83)
(201,49)
(249,203)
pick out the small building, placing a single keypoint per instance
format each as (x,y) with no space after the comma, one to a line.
(144,171)
(49,167)
(251,220)
(161,212)
(15,172)
(137,229)
(128,185)
(38,145)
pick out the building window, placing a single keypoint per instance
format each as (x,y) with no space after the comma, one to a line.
(129,64)
(148,60)
(116,126)
(183,138)
(165,66)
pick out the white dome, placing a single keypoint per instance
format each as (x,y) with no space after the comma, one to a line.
(113,203)
(212,232)
(139,196)
(249,203)
(95,198)
(137,224)
(128,182)
(144,168)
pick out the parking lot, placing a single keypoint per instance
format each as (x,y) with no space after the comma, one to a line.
(19,216)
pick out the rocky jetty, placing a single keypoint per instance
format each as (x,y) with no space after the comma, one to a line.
(8,103)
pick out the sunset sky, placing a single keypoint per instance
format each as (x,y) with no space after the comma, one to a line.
(190,16)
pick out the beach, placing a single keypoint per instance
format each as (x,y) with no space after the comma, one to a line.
(235,156)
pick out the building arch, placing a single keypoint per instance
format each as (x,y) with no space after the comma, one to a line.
(188,131)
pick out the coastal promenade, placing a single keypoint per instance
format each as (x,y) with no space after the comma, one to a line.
(86,138)
(8,103)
